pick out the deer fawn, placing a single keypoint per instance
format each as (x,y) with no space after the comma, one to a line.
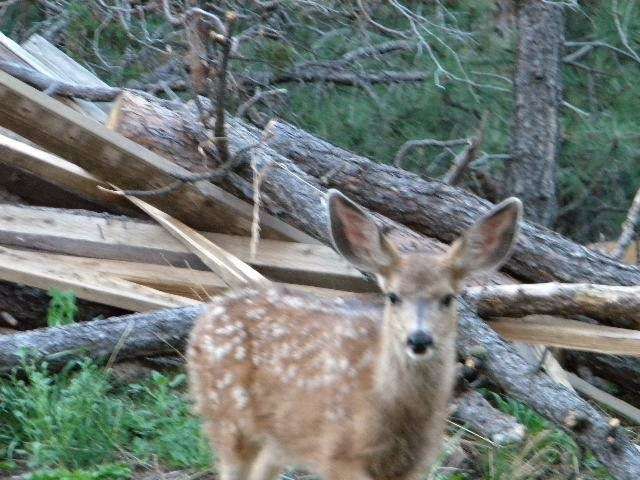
(350,388)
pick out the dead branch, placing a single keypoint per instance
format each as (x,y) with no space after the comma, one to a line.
(54,87)
(222,143)
(259,96)
(619,306)
(467,156)
(628,228)
(411,145)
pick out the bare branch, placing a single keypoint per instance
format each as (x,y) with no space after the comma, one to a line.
(411,145)
(54,87)
(258,97)
(628,228)
(468,155)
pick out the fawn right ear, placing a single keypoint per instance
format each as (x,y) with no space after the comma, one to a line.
(356,236)
(488,243)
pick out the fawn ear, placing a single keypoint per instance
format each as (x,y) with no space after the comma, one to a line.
(356,236)
(488,243)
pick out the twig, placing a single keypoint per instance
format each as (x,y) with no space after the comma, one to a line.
(411,145)
(628,228)
(621,33)
(222,143)
(258,97)
(54,87)
(219,173)
(468,155)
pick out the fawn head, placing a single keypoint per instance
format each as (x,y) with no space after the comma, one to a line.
(421,287)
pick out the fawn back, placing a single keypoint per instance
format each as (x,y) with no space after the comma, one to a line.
(353,387)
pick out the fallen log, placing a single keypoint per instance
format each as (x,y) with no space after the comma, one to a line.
(479,415)
(164,332)
(426,206)
(613,305)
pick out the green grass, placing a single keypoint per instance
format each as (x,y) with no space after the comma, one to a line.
(62,308)
(81,424)
(81,419)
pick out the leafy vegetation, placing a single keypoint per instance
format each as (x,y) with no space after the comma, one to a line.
(62,308)
(81,419)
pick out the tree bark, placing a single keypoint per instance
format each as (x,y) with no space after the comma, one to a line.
(617,306)
(429,207)
(531,172)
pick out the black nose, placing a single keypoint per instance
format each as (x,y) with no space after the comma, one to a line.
(419,341)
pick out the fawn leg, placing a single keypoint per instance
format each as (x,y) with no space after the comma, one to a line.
(266,465)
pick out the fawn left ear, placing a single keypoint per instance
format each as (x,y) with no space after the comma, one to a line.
(488,243)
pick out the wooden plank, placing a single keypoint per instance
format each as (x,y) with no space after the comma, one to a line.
(233,271)
(619,406)
(117,160)
(120,238)
(56,171)
(29,269)
(11,51)
(569,334)
(67,69)
(184,282)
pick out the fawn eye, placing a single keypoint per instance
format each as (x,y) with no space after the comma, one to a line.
(393,298)
(446,300)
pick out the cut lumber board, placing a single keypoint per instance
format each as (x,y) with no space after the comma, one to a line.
(184,282)
(569,334)
(122,162)
(56,171)
(233,271)
(11,51)
(619,406)
(120,238)
(65,68)
(29,269)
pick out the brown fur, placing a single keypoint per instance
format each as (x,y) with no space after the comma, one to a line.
(285,377)
(315,382)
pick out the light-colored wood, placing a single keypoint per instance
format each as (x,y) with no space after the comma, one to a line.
(619,406)
(120,238)
(550,363)
(11,51)
(233,271)
(124,163)
(569,334)
(29,269)
(185,282)
(56,171)
(64,68)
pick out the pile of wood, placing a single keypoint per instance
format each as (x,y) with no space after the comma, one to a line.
(65,226)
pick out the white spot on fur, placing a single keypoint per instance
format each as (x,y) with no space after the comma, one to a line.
(241,353)
(225,381)
(241,396)
(256,313)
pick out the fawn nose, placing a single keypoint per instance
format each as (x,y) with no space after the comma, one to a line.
(419,342)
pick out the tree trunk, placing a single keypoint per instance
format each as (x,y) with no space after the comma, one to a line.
(429,207)
(531,172)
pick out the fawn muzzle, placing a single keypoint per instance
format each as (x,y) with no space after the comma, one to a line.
(419,342)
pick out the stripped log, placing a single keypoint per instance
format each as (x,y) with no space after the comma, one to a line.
(614,305)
